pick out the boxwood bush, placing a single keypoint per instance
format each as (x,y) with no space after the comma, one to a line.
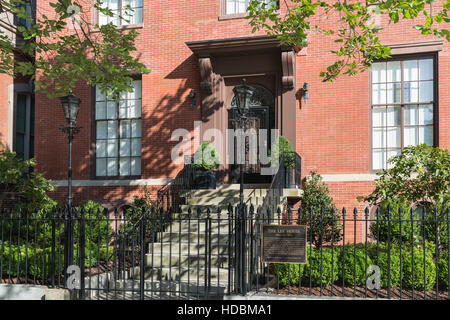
(443,270)
(316,273)
(416,263)
(354,269)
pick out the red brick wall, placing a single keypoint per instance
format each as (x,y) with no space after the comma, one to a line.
(333,129)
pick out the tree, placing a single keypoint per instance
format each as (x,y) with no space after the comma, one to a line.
(354,30)
(419,175)
(61,48)
(319,213)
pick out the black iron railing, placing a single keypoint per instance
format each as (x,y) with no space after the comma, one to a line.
(288,176)
(206,254)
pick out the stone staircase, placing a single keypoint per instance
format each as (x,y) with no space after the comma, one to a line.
(176,265)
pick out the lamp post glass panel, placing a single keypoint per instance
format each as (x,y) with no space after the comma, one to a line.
(242,93)
(71,106)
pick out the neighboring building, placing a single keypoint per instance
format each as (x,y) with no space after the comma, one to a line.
(16,99)
(345,130)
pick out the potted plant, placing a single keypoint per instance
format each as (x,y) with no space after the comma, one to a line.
(204,161)
(285,151)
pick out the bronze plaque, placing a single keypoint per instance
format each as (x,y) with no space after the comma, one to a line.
(283,244)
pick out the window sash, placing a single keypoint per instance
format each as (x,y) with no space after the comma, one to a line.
(420,73)
(119,7)
(118,147)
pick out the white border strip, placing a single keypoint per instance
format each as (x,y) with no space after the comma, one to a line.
(114,183)
(348,177)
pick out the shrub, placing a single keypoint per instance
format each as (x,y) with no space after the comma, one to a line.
(287,274)
(322,273)
(443,270)
(395,231)
(419,175)
(350,264)
(206,157)
(320,226)
(291,273)
(282,146)
(37,264)
(416,261)
(386,267)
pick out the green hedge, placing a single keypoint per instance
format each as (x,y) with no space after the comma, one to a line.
(313,271)
(354,269)
(282,272)
(443,270)
(416,261)
(38,263)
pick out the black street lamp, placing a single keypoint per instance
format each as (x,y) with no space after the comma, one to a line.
(71,106)
(242,93)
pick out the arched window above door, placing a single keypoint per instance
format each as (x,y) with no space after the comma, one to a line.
(261,97)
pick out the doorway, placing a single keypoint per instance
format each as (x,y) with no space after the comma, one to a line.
(262,113)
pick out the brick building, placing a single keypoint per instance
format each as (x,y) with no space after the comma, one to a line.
(345,130)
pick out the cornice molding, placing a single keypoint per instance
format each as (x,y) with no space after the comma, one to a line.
(416,47)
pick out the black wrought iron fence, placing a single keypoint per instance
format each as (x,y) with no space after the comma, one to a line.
(206,254)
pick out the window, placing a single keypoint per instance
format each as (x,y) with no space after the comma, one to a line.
(118,133)
(402,107)
(24,126)
(122,8)
(240,6)
(27,5)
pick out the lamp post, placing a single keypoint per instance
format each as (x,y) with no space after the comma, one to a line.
(71,106)
(242,93)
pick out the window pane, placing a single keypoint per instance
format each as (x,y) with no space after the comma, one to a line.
(426,135)
(135,166)
(426,69)
(426,91)
(411,70)
(379,94)
(125,129)
(136,130)
(99,96)
(101,167)
(411,115)
(125,166)
(425,114)
(379,116)
(378,138)
(125,147)
(112,167)
(101,149)
(136,147)
(102,129)
(112,129)
(393,138)
(410,138)
(378,159)
(230,7)
(111,107)
(112,148)
(100,110)
(394,71)
(394,91)
(393,116)
(379,72)
(411,92)
(390,154)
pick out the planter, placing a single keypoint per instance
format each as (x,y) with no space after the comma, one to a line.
(289,181)
(204,179)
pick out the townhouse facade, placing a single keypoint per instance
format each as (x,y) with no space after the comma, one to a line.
(198,51)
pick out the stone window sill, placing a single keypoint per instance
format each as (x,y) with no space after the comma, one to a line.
(124,27)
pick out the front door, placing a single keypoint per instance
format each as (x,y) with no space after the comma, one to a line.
(262,113)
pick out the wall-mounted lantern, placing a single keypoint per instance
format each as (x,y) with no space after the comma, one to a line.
(192,95)
(305,91)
